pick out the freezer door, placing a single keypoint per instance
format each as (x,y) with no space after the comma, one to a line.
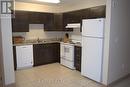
(92,58)
(93,27)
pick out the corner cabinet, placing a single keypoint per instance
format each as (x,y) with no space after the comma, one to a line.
(20,21)
(46,53)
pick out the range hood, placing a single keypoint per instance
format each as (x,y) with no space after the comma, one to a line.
(73,25)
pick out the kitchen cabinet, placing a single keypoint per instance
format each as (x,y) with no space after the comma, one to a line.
(79,15)
(55,21)
(77,58)
(58,21)
(46,53)
(49,23)
(14,57)
(70,17)
(20,21)
(97,12)
(24,56)
(37,18)
(42,18)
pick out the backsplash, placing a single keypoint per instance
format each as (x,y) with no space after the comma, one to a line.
(76,35)
(36,31)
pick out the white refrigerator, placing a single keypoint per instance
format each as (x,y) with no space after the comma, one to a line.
(92,48)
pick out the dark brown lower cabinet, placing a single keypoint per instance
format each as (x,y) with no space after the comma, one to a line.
(77,58)
(46,53)
(14,55)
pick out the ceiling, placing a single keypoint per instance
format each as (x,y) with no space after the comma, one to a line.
(63,2)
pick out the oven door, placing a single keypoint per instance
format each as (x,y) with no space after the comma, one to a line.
(69,52)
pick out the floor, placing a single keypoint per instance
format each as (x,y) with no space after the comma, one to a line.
(52,75)
(122,83)
(56,75)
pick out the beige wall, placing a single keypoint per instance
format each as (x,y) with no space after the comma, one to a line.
(106,43)
(119,40)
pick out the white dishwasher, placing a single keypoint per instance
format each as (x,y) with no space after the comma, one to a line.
(24,56)
(67,55)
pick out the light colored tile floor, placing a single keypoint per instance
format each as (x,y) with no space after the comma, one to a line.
(52,75)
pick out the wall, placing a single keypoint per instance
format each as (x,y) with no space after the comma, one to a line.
(119,41)
(106,43)
(129,31)
(1,59)
(75,36)
(6,33)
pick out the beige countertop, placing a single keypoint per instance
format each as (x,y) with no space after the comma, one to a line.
(32,43)
(45,42)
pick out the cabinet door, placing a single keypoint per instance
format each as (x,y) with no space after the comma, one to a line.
(77,58)
(20,22)
(49,23)
(56,52)
(58,21)
(14,55)
(39,53)
(97,12)
(37,18)
(46,53)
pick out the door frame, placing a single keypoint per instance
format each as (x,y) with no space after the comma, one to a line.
(1,59)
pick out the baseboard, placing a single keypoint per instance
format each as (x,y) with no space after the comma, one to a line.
(119,80)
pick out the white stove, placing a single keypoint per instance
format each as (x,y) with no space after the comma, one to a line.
(67,55)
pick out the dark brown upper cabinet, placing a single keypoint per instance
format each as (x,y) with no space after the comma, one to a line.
(58,21)
(37,18)
(20,21)
(42,18)
(49,22)
(97,12)
(55,21)
(79,15)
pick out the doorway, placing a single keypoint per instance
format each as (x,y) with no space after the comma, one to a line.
(1,63)
(1,77)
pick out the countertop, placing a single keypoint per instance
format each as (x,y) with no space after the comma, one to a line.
(32,43)
(44,42)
